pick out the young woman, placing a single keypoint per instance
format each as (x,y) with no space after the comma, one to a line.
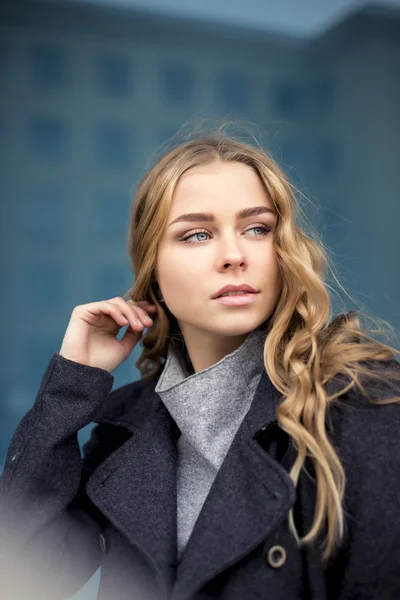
(257,456)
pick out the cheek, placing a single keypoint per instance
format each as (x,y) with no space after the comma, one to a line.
(179,271)
(269,266)
(185,261)
(267,260)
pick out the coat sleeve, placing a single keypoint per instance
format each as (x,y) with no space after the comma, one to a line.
(367,566)
(49,530)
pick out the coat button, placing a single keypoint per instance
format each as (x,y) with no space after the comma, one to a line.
(276,556)
(103,543)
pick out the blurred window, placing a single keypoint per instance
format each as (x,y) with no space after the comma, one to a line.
(114,144)
(114,75)
(324,94)
(43,212)
(3,55)
(177,83)
(111,213)
(234,92)
(48,65)
(290,99)
(48,137)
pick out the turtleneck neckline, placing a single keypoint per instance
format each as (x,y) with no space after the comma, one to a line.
(208,408)
(178,368)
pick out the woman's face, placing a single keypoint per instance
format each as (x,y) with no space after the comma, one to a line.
(227,250)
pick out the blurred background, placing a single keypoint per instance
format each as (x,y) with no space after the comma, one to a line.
(91,90)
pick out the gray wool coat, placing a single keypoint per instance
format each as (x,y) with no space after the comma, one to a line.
(63,516)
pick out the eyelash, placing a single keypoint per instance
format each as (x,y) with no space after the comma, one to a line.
(265,228)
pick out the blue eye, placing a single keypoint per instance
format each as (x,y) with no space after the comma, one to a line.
(264,228)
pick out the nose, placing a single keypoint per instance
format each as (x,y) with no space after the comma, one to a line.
(232,253)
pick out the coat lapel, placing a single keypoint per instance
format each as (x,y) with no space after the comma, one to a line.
(135,487)
(249,497)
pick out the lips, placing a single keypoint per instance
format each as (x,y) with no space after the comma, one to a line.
(233,294)
(236,300)
(244,288)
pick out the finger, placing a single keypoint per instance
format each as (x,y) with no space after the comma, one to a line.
(123,315)
(139,313)
(130,339)
(97,309)
(142,313)
(143,304)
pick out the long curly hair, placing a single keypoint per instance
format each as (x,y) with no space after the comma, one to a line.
(304,348)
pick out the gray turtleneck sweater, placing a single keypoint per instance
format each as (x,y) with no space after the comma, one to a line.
(208,407)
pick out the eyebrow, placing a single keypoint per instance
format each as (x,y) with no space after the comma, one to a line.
(210,218)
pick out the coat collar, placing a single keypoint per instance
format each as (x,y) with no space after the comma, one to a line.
(135,487)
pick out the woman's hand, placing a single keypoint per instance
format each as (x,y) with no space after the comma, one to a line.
(91,335)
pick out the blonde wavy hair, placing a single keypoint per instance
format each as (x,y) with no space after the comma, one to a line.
(304,347)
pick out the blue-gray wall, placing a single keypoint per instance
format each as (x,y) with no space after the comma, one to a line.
(89,94)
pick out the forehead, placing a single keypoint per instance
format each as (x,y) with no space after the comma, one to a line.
(232,180)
